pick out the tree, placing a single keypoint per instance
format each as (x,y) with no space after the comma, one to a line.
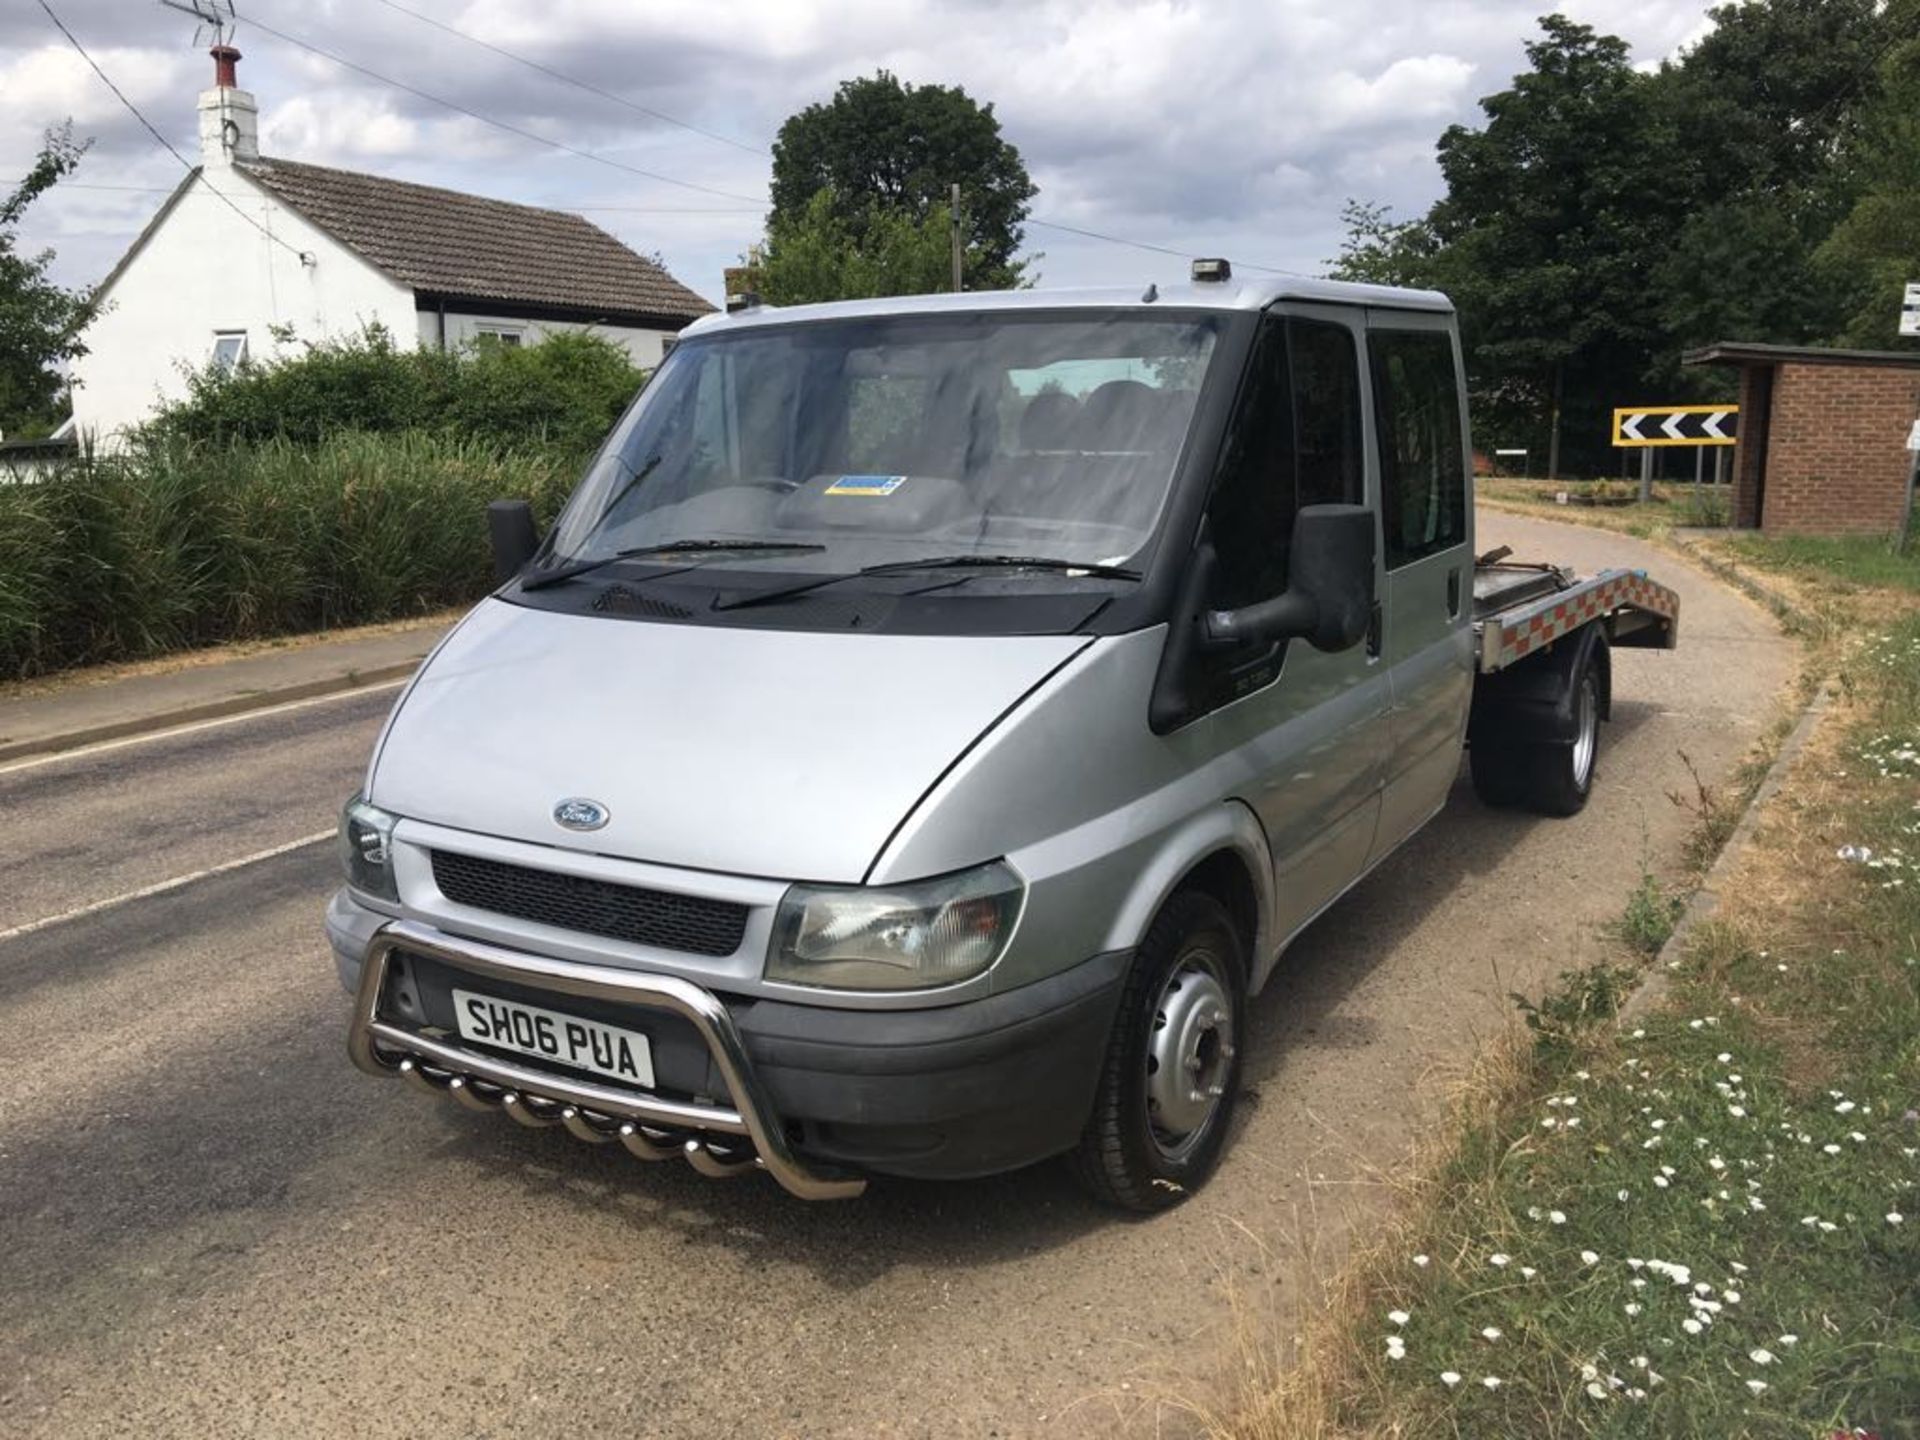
(1875,249)
(39,321)
(1755,123)
(881,148)
(1547,230)
(1380,250)
(819,256)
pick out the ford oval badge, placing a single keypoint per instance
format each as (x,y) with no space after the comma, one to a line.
(578,814)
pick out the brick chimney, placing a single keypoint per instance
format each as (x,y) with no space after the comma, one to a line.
(229,118)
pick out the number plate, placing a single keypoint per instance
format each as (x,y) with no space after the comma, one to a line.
(617,1054)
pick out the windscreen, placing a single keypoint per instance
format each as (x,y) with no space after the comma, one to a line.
(890,439)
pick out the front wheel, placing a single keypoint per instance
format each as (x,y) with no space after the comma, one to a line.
(1172,1069)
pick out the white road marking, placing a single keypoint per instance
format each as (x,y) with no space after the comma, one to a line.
(163,886)
(189,729)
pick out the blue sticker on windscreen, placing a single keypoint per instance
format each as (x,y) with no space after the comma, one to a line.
(866,485)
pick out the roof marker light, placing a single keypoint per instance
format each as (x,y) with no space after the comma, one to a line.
(1211,269)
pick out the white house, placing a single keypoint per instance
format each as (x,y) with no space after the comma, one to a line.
(252,256)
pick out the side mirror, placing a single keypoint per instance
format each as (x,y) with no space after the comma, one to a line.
(510,529)
(1329,596)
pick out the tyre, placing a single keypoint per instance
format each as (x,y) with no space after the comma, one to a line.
(1172,1069)
(1560,777)
(1499,773)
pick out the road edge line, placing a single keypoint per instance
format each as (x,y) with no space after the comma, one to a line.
(207,710)
(162,887)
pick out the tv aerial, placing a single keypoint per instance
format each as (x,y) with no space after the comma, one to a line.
(213,18)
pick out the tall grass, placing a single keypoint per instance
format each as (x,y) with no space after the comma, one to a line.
(180,543)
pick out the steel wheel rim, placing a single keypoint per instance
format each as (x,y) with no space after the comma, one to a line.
(1189,1054)
(1586,739)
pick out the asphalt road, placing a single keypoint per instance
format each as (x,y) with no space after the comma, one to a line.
(211,1225)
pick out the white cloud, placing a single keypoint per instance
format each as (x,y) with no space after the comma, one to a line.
(1215,126)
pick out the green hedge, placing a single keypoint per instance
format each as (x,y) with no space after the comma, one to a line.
(562,394)
(181,542)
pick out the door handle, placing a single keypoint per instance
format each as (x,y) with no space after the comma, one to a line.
(1375,625)
(1453,593)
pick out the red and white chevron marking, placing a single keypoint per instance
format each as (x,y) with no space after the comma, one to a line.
(1507,638)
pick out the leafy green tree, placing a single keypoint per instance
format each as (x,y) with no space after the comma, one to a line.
(882,149)
(1875,249)
(1545,228)
(39,321)
(819,256)
(1380,250)
(1755,122)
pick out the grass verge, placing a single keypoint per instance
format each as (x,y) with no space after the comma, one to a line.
(1706,1223)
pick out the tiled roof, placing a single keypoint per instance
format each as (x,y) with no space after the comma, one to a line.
(467,247)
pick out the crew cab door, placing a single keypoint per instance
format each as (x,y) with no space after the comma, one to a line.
(1305,732)
(1420,428)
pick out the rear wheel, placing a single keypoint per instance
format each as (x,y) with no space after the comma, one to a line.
(1499,775)
(1561,776)
(1172,1068)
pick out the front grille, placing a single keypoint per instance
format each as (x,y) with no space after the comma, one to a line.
(595,907)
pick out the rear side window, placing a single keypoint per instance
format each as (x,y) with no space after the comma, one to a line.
(1423,473)
(1295,440)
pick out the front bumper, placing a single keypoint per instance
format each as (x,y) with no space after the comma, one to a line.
(809,1093)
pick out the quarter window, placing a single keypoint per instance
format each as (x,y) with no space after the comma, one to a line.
(1423,470)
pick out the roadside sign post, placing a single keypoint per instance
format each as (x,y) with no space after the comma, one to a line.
(1910,311)
(1647,428)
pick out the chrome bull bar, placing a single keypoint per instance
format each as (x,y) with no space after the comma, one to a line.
(643,1124)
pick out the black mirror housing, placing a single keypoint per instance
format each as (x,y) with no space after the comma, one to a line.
(511,531)
(1330,593)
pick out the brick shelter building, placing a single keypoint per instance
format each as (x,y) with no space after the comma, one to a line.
(1823,433)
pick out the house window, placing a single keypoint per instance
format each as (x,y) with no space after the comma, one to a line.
(497,335)
(229,348)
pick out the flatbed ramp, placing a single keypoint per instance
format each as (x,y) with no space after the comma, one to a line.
(1521,609)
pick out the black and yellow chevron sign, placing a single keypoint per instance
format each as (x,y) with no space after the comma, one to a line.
(1675,425)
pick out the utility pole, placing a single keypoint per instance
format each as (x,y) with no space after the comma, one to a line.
(953,227)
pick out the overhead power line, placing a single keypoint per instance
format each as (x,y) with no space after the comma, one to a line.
(575,81)
(165,144)
(507,126)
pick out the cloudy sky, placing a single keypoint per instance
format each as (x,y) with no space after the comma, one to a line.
(1231,127)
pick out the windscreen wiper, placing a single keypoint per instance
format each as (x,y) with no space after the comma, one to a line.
(540,579)
(937,562)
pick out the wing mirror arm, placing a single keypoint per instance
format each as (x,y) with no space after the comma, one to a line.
(1280,618)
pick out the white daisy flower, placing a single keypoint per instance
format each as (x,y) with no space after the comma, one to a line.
(1497,1259)
(1756,1386)
(1761,1356)
(1398,1317)
(1589,1257)
(1492,1332)
(1492,1382)
(1421,1261)
(1449,1378)
(1557,1217)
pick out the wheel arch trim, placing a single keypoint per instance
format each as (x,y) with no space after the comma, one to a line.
(1229,828)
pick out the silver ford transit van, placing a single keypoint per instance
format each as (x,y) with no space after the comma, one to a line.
(918,739)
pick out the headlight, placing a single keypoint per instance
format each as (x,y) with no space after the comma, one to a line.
(898,937)
(366,849)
